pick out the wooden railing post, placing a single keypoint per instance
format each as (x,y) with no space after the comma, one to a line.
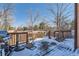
(26,37)
(17,42)
(54,33)
(63,34)
(49,34)
(76,40)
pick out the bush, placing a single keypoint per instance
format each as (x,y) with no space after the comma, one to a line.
(44,45)
(1,38)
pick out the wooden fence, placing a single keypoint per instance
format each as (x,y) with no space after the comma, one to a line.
(23,36)
(62,34)
(18,37)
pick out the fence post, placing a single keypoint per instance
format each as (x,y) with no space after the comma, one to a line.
(26,37)
(49,34)
(17,42)
(54,33)
(63,34)
(76,41)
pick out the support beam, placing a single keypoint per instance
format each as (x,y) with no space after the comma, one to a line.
(76,43)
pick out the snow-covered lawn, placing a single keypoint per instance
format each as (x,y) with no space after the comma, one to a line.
(64,48)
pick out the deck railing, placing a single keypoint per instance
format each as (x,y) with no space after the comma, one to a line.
(18,37)
(62,34)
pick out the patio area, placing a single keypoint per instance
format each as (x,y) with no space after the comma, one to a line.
(55,48)
(20,44)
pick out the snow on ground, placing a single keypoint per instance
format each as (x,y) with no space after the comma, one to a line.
(64,48)
(69,42)
(25,52)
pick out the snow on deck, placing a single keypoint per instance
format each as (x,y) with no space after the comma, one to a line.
(64,48)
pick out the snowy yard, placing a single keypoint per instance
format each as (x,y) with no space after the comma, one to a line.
(64,48)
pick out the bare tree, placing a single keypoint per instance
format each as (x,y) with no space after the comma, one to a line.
(33,17)
(6,16)
(61,15)
(0,19)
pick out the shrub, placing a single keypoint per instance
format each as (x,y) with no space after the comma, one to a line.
(44,45)
(1,38)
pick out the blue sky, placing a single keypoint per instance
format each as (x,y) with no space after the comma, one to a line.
(21,12)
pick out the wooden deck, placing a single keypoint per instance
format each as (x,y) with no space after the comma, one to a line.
(23,36)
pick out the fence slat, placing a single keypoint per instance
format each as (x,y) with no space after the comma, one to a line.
(16,38)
